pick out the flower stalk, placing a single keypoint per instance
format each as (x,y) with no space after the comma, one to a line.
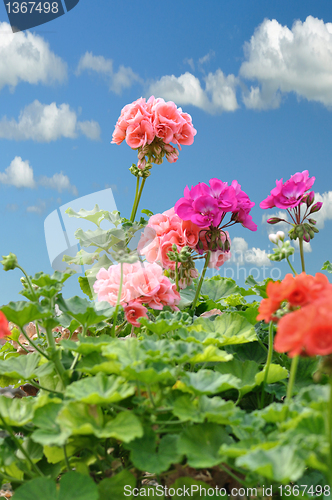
(292,375)
(268,362)
(200,283)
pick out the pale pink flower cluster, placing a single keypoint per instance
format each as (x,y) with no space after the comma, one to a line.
(141,122)
(164,230)
(142,284)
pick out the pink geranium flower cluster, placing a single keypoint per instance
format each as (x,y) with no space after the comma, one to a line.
(151,126)
(166,229)
(291,193)
(142,284)
(207,206)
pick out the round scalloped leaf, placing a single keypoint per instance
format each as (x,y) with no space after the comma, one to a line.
(100,389)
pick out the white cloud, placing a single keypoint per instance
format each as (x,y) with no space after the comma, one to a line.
(205,59)
(325,212)
(306,246)
(45,123)
(219,94)
(90,129)
(242,254)
(18,174)
(37,209)
(60,182)
(286,60)
(118,80)
(27,57)
(190,63)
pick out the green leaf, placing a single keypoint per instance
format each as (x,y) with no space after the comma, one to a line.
(82,257)
(250,313)
(100,389)
(25,367)
(227,329)
(201,443)
(206,382)
(95,215)
(327,266)
(146,457)
(100,238)
(217,288)
(249,374)
(85,286)
(72,485)
(45,280)
(83,419)
(115,487)
(85,312)
(22,312)
(87,345)
(281,463)
(197,410)
(17,412)
(187,295)
(259,287)
(48,432)
(166,322)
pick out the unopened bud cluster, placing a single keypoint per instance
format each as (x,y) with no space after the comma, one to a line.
(282,251)
(185,265)
(153,153)
(305,231)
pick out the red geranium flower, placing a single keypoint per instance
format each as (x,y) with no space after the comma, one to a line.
(4,329)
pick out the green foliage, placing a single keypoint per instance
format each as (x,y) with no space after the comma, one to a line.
(184,392)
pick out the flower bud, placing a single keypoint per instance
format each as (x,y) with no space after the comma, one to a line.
(280,235)
(227,246)
(174,247)
(312,221)
(316,207)
(273,238)
(9,262)
(310,198)
(274,220)
(306,237)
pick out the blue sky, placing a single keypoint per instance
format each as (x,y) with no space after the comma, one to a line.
(256,78)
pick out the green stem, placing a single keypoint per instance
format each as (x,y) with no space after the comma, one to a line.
(139,197)
(33,344)
(292,376)
(268,362)
(115,315)
(9,479)
(133,212)
(329,431)
(22,346)
(34,467)
(55,356)
(207,259)
(151,397)
(302,254)
(292,268)
(40,387)
(66,458)
(177,276)
(261,344)
(29,283)
(232,475)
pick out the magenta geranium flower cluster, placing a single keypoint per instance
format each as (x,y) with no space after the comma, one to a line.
(290,195)
(151,126)
(207,206)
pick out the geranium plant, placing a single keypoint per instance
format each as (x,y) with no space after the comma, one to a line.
(170,382)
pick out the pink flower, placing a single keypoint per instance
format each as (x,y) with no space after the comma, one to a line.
(133,311)
(218,258)
(289,194)
(142,284)
(206,206)
(139,133)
